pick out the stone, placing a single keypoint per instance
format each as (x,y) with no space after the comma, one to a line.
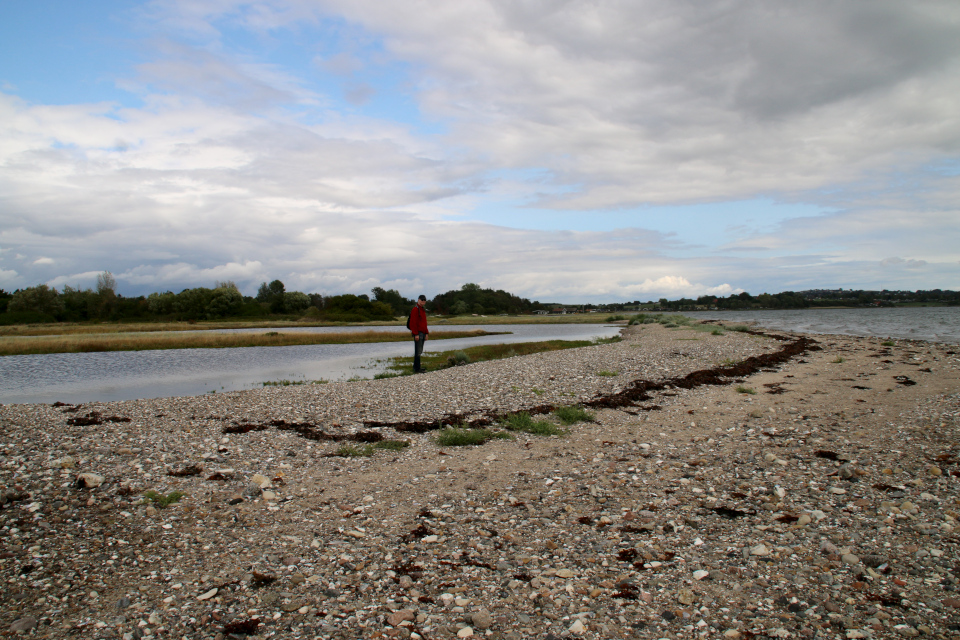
(685,596)
(404,615)
(25,623)
(262,481)
(951,602)
(565,573)
(465,632)
(700,574)
(804,520)
(906,631)
(482,619)
(66,462)
(760,550)
(850,558)
(732,634)
(89,480)
(208,594)
(577,627)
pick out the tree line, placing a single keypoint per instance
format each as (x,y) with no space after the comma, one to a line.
(45,304)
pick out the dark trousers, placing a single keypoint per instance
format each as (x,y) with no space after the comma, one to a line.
(417,350)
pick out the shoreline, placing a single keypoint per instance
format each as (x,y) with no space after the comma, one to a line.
(688,511)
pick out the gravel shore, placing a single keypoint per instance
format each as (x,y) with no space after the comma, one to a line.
(736,485)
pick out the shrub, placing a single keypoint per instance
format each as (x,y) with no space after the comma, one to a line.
(716,332)
(458,358)
(742,328)
(615,318)
(573,414)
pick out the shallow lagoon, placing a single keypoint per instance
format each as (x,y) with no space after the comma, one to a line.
(127,375)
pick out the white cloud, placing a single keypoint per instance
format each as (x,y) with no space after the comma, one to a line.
(236,168)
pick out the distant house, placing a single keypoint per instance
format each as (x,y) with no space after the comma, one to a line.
(541,312)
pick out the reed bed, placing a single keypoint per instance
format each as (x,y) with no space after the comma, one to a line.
(83,343)
(65,328)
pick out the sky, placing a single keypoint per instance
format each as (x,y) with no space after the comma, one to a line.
(563,150)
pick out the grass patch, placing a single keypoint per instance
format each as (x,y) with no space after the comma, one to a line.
(524,422)
(716,332)
(162,501)
(747,390)
(291,383)
(887,343)
(572,415)
(607,374)
(485,352)
(742,328)
(458,358)
(615,318)
(367,450)
(86,343)
(839,360)
(466,437)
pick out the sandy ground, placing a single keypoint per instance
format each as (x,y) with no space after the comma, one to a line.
(814,497)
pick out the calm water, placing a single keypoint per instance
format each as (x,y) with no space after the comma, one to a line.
(936,324)
(127,375)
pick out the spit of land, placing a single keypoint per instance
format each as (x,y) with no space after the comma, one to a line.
(729,485)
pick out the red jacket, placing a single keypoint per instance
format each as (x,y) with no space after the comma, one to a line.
(418,320)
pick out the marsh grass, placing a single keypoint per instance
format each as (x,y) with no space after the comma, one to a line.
(367,450)
(292,383)
(484,352)
(467,437)
(525,423)
(572,415)
(85,343)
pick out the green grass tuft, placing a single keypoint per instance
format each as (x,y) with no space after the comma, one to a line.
(839,360)
(524,422)
(162,501)
(887,343)
(466,436)
(607,374)
(573,414)
(743,389)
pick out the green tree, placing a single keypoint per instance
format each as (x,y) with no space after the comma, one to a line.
(401,306)
(39,299)
(295,302)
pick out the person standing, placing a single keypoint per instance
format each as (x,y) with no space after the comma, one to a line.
(418,327)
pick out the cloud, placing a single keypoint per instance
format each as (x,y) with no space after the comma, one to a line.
(240,165)
(900,262)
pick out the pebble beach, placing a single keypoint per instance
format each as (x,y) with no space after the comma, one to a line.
(728,485)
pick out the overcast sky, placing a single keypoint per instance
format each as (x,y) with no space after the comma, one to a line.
(582,150)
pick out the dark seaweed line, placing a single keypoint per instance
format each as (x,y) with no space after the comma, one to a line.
(636,392)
